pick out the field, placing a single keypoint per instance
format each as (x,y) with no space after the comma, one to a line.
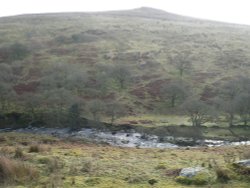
(52,162)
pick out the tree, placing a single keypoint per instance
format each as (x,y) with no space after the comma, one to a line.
(6,87)
(64,75)
(18,51)
(57,102)
(176,91)
(229,97)
(32,102)
(7,94)
(198,111)
(74,116)
(181,61)
(114,110)
(121,74)
(95,107)
(243,107)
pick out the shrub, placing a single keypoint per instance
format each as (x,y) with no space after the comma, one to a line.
(34,149)
(152,181)
(19,153)
(223,175)
(184,180)
(44,160)
(15,171)
(7,150)
(54,164)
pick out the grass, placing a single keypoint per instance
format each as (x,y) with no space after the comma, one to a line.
(78,164)
(149,120)
(13,171)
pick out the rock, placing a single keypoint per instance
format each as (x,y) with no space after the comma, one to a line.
(194,175)
(190,172)
(242,167)
(243,163)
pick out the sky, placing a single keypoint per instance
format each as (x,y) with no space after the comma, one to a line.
(232,11)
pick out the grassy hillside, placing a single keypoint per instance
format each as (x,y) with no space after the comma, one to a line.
(50,162)
(146,40)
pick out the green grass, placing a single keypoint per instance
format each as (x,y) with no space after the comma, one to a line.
(76,164)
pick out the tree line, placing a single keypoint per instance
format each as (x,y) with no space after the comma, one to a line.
(66,92)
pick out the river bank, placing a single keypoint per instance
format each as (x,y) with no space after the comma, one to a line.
(129,138)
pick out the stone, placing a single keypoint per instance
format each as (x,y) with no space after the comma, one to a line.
(194,176)
(243,163)
(190,172)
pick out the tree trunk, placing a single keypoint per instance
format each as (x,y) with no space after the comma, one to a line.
(231,117)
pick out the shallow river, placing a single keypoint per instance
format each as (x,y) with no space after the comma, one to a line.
(127,139)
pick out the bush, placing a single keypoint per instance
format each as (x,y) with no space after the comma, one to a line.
(54,164)
(223,175)
(152,181)
(15,171)
(183,180)
(34,149)
(19,153)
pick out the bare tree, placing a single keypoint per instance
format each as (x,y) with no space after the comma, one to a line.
(32,103)
(181,61)
(176,91)
(95,107)
(229,97)
(242,106)
(114,110)
(74,116)
(7,93)
(64,75)
(121,74)
(198,111)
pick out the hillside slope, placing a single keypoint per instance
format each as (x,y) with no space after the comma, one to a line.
(145,40)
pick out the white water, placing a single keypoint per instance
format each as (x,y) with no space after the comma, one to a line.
(126,139)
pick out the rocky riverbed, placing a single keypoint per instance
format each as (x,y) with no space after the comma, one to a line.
(126,139)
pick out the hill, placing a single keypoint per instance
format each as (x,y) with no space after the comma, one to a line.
(49,61)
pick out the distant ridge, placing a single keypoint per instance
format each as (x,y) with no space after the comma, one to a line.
(147,12)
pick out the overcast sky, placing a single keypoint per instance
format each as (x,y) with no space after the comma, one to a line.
(234,11)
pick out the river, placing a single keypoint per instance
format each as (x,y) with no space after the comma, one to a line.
(126,139)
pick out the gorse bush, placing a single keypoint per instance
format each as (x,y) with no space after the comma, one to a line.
(12,171)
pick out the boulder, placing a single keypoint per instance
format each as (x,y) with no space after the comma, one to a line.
(243,163)
(190,172)
(242,167)
(195,176)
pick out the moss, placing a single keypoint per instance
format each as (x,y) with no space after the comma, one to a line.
(199,179)
(160,166)
(93,181)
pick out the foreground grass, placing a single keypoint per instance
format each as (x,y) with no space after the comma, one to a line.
(58,163)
